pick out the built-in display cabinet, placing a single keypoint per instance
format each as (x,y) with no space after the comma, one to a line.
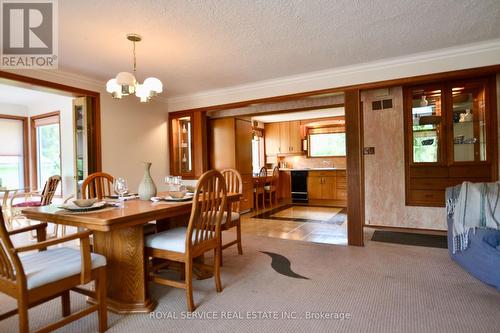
(450,137)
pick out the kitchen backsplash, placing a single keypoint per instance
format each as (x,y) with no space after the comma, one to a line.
(304,162)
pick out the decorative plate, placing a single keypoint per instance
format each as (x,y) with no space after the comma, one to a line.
(74,208)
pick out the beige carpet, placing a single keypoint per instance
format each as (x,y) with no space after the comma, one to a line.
(383,288)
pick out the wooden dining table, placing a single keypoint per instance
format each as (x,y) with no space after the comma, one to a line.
(119,236)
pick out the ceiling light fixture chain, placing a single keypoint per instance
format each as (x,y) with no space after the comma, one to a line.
(125,83)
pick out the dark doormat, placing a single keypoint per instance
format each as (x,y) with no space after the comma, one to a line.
(410,239)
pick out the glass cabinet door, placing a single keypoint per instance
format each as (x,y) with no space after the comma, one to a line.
(182,137)
(469,122)
(426,123)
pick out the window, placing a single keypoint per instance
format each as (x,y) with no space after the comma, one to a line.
(12,157)
(47,140)
(326,141)
(257,150)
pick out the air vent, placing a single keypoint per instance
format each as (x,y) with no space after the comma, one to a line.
(382,104)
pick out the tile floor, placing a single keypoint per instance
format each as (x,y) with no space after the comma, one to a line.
(290,223)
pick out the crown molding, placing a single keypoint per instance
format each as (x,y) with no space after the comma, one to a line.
(473,55)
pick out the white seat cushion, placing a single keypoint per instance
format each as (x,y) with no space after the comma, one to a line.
(234,217)
(55,264)
(170,240)
(267,187)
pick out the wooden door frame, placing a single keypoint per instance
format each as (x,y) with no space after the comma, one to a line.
(354,120)
(58,88)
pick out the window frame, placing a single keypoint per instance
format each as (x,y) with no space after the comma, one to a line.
(34,146)
(334,129)
(26,160)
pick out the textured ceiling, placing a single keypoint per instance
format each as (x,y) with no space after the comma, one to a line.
(198,45)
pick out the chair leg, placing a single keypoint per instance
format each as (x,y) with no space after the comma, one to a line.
(65,304)
(100,288)
(220,252)
(218,285)
(238,237)
(22,310)
(189,284)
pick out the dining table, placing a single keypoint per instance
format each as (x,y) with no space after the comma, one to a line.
(118,234)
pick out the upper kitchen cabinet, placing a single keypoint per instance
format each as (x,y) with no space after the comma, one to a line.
(450,135)
(187,133)
(283,138)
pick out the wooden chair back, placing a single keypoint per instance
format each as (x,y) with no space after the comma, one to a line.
(276,177)
(11,270)
(261,181)
(234,184)
(209,205)
(49,190)
(97,185)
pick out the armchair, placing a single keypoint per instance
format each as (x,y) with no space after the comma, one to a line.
(38,277)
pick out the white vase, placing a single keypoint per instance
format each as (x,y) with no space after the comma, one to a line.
(147,187)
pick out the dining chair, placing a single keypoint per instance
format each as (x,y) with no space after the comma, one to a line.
(97,185)
(41,276)
(231,218)
(273,186)
(202,234)
(258,189)
(45,198)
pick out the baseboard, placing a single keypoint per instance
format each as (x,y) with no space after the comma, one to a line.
(406,229)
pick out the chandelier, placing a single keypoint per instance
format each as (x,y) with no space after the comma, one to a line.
(125,83)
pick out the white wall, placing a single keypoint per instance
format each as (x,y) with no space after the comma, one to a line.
(14,110)
(131,132)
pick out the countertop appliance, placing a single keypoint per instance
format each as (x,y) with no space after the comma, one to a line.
(299,186)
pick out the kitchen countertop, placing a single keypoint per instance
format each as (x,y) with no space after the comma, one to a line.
(312,169)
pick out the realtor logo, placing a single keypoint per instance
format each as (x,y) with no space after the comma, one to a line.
(29,34)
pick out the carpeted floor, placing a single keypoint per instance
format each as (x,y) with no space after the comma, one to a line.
(380,288)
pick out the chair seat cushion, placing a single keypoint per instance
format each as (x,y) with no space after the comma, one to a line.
(234,217)
(28,204)
(170,240)
(55,264)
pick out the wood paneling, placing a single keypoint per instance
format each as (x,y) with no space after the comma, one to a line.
(355,186)
(243,131)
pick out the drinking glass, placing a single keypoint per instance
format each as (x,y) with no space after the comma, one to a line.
(120,186)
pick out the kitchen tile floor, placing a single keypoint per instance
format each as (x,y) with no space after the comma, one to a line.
(290,223)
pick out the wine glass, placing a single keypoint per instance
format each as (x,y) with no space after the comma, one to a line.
(120,186)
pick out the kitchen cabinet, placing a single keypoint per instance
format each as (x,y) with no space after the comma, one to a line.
(230,146)
(327,185)
(283,138)
(285,184)
(272,138)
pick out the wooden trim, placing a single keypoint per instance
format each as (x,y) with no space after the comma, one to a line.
(26,157)
(355,174)
(34,160)
(407,229)
(461,73)
(53,87)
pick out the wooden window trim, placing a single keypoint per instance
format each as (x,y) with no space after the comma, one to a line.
(26,159)
(34,161)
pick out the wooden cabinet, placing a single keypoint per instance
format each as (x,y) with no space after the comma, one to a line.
(285,184)
(327,185)
(272,138)
(187,133)
(230,146)
(451,137)
(283,138)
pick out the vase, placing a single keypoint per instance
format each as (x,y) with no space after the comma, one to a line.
(147,187)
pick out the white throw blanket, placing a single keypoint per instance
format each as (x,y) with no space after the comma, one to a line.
(478,206)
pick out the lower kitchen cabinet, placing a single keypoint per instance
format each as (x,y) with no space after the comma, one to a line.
(327,185)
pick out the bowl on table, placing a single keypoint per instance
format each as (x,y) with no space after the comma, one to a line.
(83,203)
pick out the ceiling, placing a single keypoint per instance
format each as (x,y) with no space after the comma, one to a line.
(200,45)
(302,115)
(22,96)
